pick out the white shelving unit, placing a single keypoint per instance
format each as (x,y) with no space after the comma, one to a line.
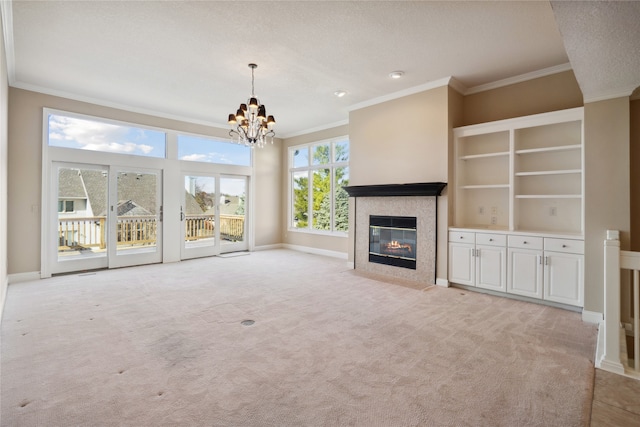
(522,178)
(522,174)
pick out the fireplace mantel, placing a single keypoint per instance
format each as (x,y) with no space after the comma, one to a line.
(386,190)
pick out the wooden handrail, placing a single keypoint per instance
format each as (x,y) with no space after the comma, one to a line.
(77,233)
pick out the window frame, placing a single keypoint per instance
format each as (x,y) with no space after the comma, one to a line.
(310,168)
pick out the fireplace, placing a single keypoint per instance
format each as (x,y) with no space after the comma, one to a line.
(395,233)
(392,240)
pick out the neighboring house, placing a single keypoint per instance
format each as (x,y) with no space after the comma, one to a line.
(83,204)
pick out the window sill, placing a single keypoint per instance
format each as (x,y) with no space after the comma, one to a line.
(320,232)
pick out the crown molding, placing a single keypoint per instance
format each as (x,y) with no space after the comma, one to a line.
(123,107)
(402,93)
(458,86)
(315,129)
(6,9)
(627,92)
(520,78)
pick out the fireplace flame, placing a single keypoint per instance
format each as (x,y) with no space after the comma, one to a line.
(395,245)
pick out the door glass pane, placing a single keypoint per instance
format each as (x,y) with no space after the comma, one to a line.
(82,208)
(137,211)
(232,209)
(199,211)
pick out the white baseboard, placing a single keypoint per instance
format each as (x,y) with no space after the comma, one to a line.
(23,277)
(442,282)
(591,317)
(268,247)
(316,251)
(3,297)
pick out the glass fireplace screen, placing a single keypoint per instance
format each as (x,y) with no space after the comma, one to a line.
(392,240)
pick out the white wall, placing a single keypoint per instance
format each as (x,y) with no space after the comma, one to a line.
(4,89)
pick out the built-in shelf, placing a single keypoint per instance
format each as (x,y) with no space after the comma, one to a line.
(476,187)
(549,149)
(548,196)
(484,156)
(555,172)
(521,173)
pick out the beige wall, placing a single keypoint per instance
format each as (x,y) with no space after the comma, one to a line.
(4,102)
(25,158)
(550,93)
(299,238)
(634,137)
(401,141)
(607,188)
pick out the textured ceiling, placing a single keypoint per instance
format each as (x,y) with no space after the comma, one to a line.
(602,40)
(188,60)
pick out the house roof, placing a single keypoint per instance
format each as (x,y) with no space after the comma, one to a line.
(70,184)
(115,53)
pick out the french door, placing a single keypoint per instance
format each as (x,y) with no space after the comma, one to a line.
(104,217)
(213,215)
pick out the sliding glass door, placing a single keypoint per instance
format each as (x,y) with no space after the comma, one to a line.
(213,215)
(104,217)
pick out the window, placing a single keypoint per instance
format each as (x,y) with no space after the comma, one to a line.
(199,149)
(65,206)
(97,135)
(318,172)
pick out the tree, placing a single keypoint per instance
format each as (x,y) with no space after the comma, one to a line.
(321,192)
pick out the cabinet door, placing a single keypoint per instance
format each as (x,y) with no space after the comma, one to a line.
(563,278)
(525,272)
(461,263)
(491,268)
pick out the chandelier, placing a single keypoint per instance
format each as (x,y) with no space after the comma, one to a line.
(250,124)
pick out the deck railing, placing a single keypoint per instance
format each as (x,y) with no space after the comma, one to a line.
(619,311)
(90,232)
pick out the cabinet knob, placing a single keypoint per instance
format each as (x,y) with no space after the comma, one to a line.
(491,240)
(525,242)
(564,246)
(461,237)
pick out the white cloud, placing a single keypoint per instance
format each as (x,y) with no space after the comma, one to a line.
(195,157)
(98,136)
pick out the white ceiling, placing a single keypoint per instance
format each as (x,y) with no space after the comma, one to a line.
(188,60)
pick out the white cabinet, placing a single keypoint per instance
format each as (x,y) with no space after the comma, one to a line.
(543,267)
(549,268)
(478,259)
(462,249)
(525,266)
(563,271)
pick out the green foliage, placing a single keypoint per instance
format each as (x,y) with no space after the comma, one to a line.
(321,192)
(240,208)
(300,202)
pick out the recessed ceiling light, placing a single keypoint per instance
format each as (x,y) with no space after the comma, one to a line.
(340,93)
(396,74)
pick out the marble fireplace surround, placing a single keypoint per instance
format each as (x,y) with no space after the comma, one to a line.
(418,200)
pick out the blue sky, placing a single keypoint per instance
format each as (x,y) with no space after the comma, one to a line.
(71,132)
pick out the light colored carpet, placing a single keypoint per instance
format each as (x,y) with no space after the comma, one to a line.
(163,345)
